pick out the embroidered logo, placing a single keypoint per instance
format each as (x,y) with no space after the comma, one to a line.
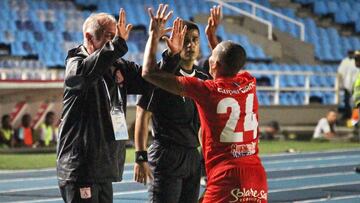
(85,193)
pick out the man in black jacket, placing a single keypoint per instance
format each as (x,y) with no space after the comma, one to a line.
(89,157)
(92,134)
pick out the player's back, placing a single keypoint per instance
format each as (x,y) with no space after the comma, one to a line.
(229,118)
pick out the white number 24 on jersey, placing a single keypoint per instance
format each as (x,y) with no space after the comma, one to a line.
(250,122)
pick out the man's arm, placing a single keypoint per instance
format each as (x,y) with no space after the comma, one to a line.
(200,136)
(141,128)
(213,23)
(101,60)
(141,167)
(325,127)
(150,73)
(329,135)
(135,83)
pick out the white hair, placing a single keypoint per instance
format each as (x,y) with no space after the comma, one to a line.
(94,24)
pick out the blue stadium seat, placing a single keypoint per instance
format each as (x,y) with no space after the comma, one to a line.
(341,17)
(284,81)
(17,49)
(266,99)
(320,7)
(315,81)
(284,99)
(2,37)
(329,45)
(49,26)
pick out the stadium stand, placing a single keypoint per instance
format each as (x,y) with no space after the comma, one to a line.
(64,28)
(350,14)
(38,34)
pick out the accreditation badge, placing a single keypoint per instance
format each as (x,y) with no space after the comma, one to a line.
(119,124)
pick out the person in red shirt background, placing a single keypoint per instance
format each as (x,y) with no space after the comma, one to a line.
(228,109)
(24,134)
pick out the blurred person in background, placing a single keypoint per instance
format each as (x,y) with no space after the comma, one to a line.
(348,73)
(48,131)
(271,131)
(7,132)
(326,127)
(24,134)
(357,93)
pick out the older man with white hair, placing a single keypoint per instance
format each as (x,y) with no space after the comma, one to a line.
(91,152)
(93,132)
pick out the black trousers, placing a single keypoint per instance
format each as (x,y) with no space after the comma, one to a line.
(99,192)
(347,107)
(176,172)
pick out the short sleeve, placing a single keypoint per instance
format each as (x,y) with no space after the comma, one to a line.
(192,87)
(145,101)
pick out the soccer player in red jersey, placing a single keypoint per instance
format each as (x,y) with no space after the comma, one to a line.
(228,109)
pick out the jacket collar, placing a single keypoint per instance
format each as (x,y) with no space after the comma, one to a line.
(78,51)
(192,74)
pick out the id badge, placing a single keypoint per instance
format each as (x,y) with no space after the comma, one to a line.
(119,124)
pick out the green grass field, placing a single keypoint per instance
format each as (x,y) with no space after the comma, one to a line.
(35,161)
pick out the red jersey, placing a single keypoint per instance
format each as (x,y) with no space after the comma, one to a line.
(228,109)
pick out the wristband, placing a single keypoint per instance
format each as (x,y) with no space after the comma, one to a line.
(141,156)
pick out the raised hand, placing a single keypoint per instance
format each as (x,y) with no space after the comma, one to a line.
(176,41)
(213,20)
(213,23)
(123,30)
(157,23)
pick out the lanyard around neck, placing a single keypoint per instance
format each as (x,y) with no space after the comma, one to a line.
(108,93)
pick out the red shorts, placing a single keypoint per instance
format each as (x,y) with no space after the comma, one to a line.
(242,184)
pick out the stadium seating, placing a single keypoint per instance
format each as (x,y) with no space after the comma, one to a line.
(47,29)
(317,79)
(350,10)
(330,46)
(37,21)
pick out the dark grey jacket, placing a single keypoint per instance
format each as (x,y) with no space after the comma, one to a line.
(87,151)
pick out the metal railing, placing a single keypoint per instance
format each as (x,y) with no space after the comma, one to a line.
(31,74)
(307,88)
(43,74)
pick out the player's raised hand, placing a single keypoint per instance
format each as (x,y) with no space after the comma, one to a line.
(142,172)
(157,23)
(123,29)
(213,23)
(213,20)
(176,41)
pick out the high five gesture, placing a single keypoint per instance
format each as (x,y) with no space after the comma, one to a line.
(175,44)
(157,23)
(123,30)
(213,23)
(176,41)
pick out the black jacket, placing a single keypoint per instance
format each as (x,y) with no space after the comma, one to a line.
(87,151)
